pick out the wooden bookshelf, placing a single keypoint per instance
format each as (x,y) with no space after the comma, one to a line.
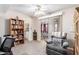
(17,29)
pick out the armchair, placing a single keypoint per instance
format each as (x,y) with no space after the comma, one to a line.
(6,46)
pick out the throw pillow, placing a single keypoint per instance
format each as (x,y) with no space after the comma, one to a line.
(65,45)
(57,42)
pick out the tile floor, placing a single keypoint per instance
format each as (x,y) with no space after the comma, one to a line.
(30,48)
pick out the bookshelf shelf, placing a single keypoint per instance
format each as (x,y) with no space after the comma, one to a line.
(17,29)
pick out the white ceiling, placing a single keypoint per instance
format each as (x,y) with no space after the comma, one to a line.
(31,8)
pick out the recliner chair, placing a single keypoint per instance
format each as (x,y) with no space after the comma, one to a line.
(6,46)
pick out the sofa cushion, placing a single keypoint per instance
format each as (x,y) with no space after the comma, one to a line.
(57,42)
(52,52)
(57,34)
(62,35)
(56,48)
(50,49)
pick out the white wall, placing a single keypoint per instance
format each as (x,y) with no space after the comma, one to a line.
(37,26)
(27,19)
(67,21)
(4,25)
(34,23)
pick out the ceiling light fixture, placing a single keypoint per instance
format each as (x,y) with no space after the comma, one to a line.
(38,11)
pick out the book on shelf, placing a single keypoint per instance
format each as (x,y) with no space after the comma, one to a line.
(17,29)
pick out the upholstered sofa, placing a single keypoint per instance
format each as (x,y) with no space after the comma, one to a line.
(58,46)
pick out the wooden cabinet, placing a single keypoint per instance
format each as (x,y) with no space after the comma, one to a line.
(17,29)
(76,25)
(34,35)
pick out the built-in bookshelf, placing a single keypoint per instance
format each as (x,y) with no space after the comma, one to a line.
(17,29)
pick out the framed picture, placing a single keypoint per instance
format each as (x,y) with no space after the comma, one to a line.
(26,27)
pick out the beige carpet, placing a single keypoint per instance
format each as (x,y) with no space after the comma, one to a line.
(30,48)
